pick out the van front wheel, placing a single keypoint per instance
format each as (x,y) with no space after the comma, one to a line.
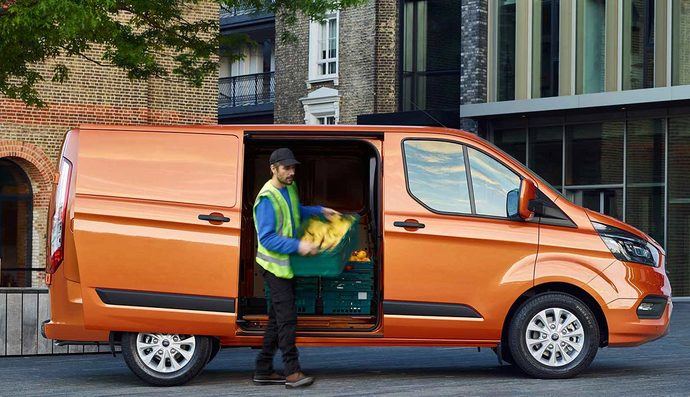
(165,359)
(553,335)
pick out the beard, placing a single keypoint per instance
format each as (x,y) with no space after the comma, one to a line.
(286,181)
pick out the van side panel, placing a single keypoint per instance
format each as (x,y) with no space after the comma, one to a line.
(146,262)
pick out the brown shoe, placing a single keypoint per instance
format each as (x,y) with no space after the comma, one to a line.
(298,379)
(272,379)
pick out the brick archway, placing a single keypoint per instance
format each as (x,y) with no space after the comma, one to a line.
(35,163)
(40,170)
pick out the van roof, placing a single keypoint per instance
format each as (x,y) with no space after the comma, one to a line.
(275,127)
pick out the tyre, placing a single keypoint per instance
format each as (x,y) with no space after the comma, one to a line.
(165,359)
(553,335)
(215,348)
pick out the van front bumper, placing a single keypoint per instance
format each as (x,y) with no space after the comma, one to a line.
(627,327)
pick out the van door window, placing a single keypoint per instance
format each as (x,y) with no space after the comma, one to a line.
(436,175)
(491,182)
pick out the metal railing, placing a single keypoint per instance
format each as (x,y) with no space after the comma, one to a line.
(247,90)
(229,12)
(22,312)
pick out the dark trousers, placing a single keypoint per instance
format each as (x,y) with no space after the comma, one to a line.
(282,326)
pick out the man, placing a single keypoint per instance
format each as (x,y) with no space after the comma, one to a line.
(277,216)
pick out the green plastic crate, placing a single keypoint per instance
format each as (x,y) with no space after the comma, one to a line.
(329,263)
(347,285)
(337,306)
(348,295)
(360,267)
(306,293)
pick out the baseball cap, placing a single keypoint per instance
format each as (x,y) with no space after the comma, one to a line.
(283,156)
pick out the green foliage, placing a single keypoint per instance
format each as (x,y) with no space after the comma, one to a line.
(132,35)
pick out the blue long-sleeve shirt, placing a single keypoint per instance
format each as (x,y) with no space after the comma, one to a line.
(266,222)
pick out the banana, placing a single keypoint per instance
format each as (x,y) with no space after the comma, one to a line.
(327,235)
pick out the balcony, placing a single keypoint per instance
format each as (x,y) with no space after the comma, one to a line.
(251,94)
(238,17)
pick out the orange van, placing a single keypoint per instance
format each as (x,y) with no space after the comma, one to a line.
(152,244)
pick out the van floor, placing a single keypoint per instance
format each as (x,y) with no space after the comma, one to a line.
(340,174)
(316,322)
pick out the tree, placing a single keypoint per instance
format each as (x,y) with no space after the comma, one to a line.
(132,35)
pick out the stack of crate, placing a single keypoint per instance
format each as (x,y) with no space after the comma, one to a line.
(306,293)
(351,292)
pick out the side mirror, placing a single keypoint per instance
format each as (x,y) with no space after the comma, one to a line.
(513,204)
(528,192)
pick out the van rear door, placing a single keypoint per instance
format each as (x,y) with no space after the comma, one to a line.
(156,227)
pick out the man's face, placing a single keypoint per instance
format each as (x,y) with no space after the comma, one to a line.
(285,174)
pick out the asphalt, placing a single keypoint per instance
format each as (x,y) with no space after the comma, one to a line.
(659,368)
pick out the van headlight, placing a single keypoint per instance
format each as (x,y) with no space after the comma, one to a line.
(626,246)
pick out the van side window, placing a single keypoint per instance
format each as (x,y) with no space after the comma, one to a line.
(491,182)
(436,175)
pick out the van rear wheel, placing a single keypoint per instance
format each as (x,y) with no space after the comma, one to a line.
(165,359)
(553,335)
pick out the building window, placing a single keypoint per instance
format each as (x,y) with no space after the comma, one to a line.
(505,50)
(513,142)
(681,42)
(323,48)
(591,46)
(322,106)
(325,120)
(638,44)
(545,39)
(645,167)
(594,154)
(431,55)
(678,234)
(436,175)
(546,154)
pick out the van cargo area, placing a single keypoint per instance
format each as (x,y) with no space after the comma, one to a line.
(336,173)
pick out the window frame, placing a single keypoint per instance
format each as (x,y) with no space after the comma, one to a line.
(315,61)
(414,74)
(468,175)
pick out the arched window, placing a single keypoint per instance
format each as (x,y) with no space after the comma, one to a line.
(15,225)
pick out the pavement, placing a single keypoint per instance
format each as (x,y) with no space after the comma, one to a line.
(659,368)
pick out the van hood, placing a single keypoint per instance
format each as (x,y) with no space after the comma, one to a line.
(610,221)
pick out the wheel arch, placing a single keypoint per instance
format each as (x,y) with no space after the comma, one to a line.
(567,288)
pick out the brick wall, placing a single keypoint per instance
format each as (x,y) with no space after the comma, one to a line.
(473,55)
(387,55)
(32,137)
(368,53)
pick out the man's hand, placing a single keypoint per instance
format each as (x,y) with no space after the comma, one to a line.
(329,213)
(307,248)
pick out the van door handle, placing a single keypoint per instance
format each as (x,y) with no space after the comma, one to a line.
(214,217)
(409,224)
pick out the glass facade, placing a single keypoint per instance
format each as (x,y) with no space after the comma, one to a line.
(594,154)
(545,42)
(681,42)
(513,142)
(431,55)
(505,69)
(638,44)
(545,148)
(645,167)
(619,168)
(678,228)
(591,46)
